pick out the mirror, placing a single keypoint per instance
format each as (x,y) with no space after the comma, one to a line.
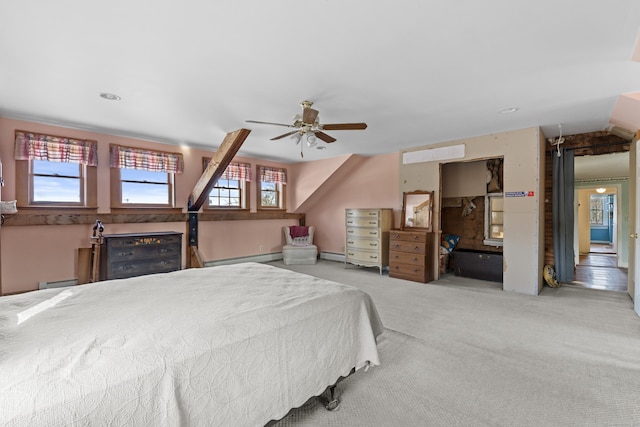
(417,209)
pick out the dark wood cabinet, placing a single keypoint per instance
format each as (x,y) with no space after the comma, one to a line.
(129,255)
(411,255)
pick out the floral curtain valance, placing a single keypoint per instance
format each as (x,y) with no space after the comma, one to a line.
(237,171)
(36,146)
(269,174)
(155,161)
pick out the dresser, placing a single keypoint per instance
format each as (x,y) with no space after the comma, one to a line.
(411,255)
(128,255)
(367,237)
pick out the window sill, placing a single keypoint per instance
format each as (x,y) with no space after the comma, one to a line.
(221,209)
(145,210)
(54,209)
(492,242)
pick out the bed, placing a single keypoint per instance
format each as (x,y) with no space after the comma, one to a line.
(229,345)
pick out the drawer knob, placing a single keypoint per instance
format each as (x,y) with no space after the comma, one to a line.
(416,237)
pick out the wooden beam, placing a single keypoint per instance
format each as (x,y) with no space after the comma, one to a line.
(194,258)
(227,151)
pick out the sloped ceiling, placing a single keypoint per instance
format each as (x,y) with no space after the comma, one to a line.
(418,72)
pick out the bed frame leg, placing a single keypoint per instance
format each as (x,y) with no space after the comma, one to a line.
(334,402)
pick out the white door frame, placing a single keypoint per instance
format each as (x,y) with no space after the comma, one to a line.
(634,226)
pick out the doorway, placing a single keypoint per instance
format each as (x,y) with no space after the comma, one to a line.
(602,226)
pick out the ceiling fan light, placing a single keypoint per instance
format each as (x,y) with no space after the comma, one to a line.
(296,137)
(312,141)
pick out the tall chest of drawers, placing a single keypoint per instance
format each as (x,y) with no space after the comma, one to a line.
(411,255)
(367,237)
(129,255)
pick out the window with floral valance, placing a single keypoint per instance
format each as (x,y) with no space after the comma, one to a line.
(231,190)
(55,170)
(271,187)
(143,178)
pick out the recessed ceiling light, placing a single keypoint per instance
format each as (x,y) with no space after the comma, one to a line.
(110,96)
(508,110)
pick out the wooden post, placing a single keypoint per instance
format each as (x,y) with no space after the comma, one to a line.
(216,167)
(96,243)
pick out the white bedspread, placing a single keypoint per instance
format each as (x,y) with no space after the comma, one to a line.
(231,345)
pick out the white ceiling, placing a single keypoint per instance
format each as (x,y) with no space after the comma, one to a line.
(418,72)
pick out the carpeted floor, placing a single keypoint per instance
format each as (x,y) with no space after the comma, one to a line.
(463,352)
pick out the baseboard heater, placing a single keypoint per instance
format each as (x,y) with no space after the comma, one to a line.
(58,284)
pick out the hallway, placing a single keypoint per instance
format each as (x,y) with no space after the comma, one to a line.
(599,270)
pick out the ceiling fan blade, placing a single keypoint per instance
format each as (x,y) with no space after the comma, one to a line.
(326,138)
(345,126)
(284,135)
(268,123)
(309,115)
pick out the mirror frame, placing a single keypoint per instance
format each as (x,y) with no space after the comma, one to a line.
(410,199)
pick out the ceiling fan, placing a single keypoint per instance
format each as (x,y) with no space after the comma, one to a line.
(309,124)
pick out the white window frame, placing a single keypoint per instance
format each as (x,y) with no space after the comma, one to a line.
(492,241)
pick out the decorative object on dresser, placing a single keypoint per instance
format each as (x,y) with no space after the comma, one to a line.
(299,248)
(129,255)
(411,255)
(367,242)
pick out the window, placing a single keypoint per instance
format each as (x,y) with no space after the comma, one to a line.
(493,219)
(596,209)
(231,191)
(146,187)
(271,188)
(143,178)
(56,182)
(55,171)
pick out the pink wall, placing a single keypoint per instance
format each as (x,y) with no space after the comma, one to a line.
(372,182)
(31,254)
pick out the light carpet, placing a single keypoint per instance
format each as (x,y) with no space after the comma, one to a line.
(462,352)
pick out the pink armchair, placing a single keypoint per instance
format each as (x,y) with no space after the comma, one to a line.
(299,247)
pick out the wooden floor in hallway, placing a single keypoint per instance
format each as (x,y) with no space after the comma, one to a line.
(599,270)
